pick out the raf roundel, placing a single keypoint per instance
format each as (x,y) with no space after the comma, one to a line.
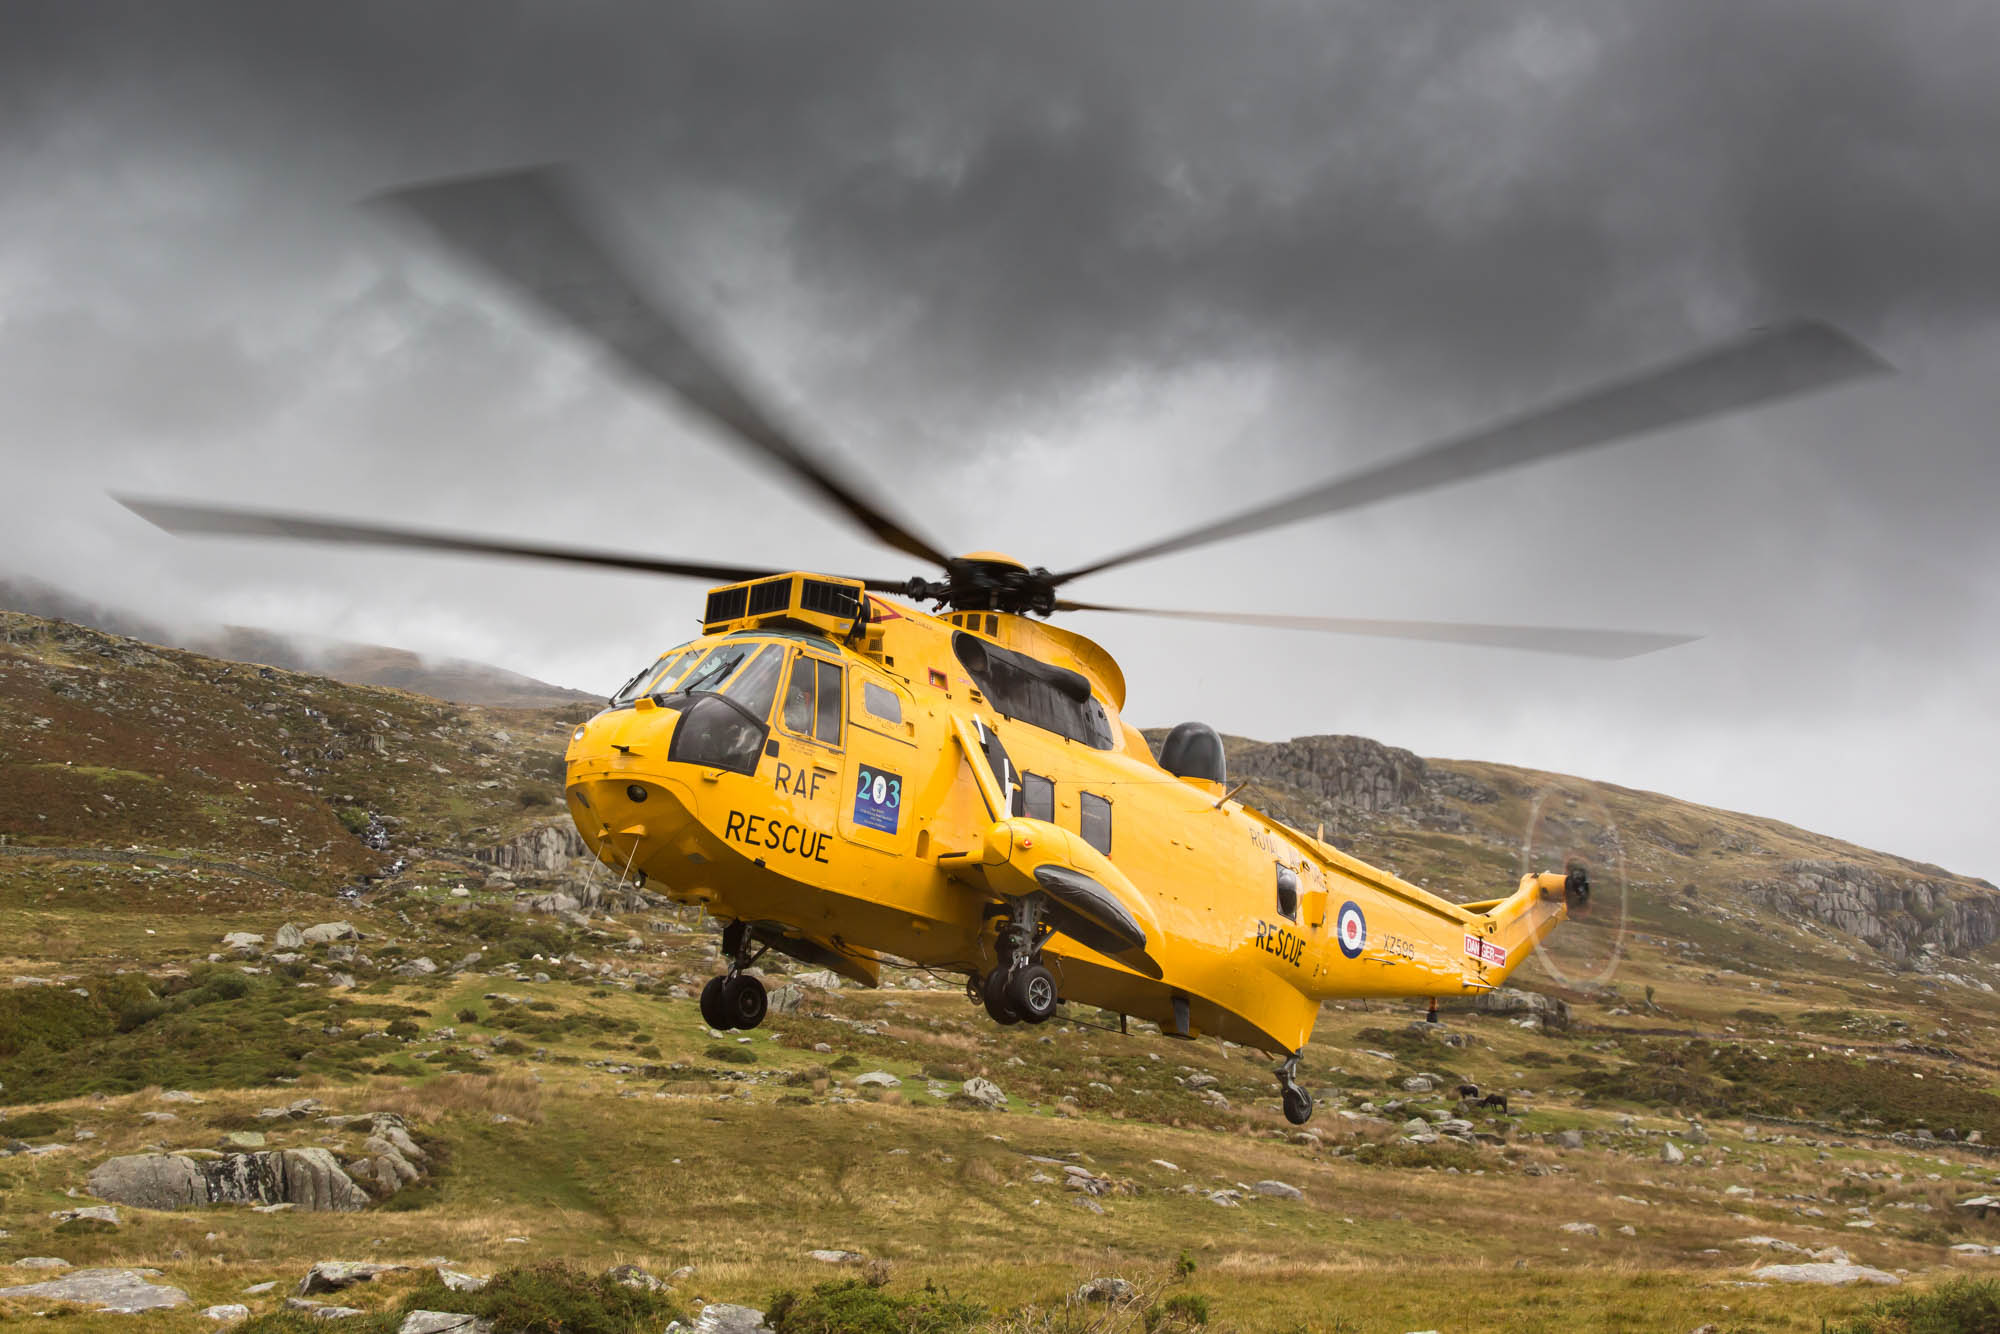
(1350,928)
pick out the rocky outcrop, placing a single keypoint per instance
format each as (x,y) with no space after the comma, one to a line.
(1357,774)
(1553,1013)
(546,850)
(309,1179)
(1902,916)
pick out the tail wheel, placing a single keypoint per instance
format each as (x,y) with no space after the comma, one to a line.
(1298,1105)
(713,1012)
(743,999)
(1032,993)
(994,993)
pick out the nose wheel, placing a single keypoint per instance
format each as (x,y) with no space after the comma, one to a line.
(735,999)
(1298,1102)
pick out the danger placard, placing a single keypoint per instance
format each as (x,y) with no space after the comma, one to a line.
(1477,947)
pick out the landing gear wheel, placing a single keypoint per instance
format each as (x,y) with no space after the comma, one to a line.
(712,1012)
(1298,1105)
(993,991)
(1031,991)
(744,1001)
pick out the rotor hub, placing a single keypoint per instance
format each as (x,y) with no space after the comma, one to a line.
(989,581)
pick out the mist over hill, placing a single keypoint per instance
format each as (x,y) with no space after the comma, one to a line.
(453,679)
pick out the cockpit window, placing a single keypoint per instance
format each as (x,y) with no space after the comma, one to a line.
(715,669)
(1035,692)
(756,686)
(658,677)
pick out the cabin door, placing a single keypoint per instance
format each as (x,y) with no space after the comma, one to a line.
(810,764)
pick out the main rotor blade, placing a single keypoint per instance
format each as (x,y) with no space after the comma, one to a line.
(1788,359)
(530,229)
(1568,642)
(209,521)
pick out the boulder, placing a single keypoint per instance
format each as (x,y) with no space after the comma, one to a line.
(1113,1290)
(289,937)
(1831,1274)
(1580,1229)
(881,1079)
(823,980)
(310,1179)
(785,999)
(722,1318)
(834,1257)
(1569,1139)
(632,1276)
(247,943)
(443,1322)
(99,1213)
(1419,1084)
(1670,1152)
(984,1092)
(121,1291)
(228,1314)
(333,1275)
(325,933)
(460,1282)
(1278,1190)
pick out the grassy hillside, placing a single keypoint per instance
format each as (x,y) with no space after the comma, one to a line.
(572,1107)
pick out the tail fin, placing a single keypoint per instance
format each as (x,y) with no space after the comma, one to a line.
(1504,932)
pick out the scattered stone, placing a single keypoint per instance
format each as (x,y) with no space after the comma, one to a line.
(1112,1290)
(41,1262)
(120,1291)
(243,1139)
(459,1282)
(247,943)
(1419,1084)
(1570,1139)
(1579,1229)
(1831,1274)
(877,1079)
(1278,1190)
(257,1288)
(1163,1163)
(632,1276)
(836,1257)
(824,980)
(100,1213)
(228,1314)
(1670,1152)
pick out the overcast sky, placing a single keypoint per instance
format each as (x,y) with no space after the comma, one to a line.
(1063,277)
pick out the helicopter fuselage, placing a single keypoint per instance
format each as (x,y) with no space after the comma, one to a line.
(878,794)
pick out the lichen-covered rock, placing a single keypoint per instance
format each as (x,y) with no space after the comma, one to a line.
(123,1291)
(310,1179)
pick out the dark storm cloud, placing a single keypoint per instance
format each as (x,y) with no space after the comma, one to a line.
(1122,265)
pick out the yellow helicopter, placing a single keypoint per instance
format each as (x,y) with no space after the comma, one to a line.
(836,774)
